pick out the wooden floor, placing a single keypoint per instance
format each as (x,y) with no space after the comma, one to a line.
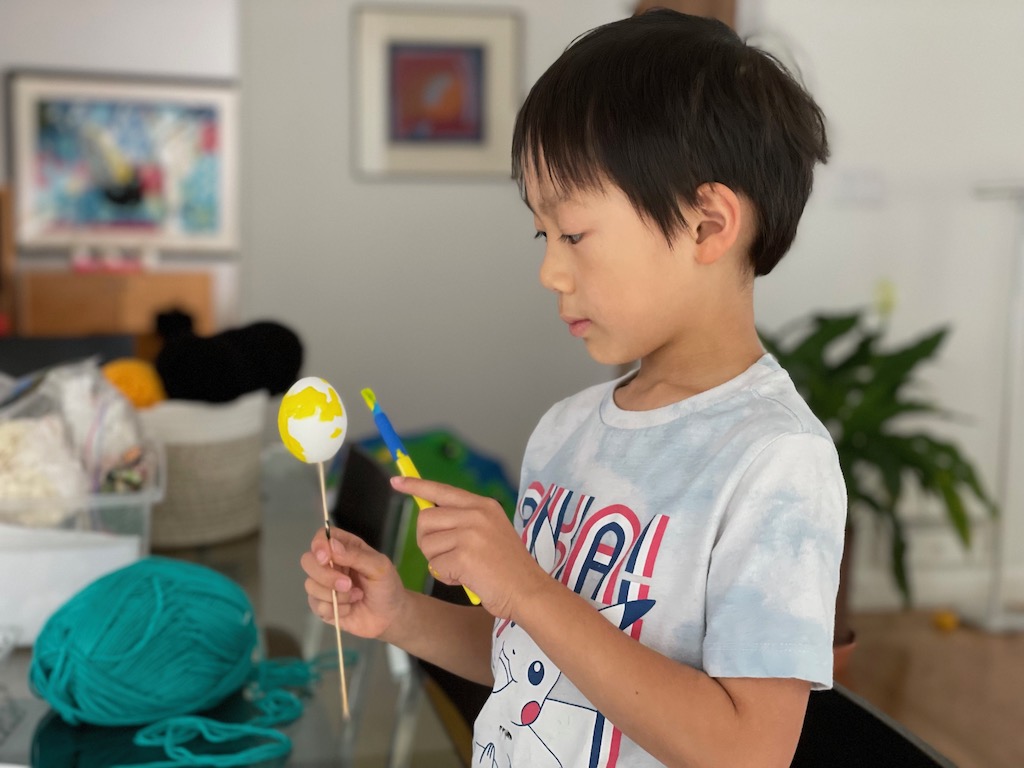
(960,690)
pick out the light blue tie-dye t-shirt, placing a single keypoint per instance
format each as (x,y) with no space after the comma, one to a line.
(710,530)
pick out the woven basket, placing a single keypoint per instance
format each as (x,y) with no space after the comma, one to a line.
(213,470)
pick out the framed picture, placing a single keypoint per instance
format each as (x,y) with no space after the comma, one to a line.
(436,91)
(123,162)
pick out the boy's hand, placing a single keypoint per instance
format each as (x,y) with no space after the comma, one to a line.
(370,592)
(468,539)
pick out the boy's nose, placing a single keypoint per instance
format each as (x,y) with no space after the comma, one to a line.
(553,273)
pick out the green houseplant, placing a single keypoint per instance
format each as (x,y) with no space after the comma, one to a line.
(861,391)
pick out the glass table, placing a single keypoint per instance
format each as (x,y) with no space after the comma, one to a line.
(266,565)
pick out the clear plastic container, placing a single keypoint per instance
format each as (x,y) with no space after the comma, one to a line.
(50,549)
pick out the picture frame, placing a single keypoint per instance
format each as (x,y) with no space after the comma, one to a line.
(122,162)
(436,91)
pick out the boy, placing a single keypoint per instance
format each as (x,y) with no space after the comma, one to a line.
(666,594)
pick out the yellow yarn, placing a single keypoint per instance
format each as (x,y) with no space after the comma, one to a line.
(137,380)
(945,620)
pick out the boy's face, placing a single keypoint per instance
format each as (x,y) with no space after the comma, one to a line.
(621,286)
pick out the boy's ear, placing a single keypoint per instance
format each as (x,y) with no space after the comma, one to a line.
(716,222)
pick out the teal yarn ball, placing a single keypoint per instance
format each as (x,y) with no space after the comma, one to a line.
(159,638)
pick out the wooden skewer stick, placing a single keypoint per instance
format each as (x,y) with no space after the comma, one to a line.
(334,598)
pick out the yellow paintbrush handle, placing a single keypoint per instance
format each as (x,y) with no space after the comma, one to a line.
(407,469)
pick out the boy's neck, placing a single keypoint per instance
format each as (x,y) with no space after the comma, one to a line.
(670,376)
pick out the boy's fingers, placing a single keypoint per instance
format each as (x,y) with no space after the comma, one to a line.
(440,494)
(325,610)
(351,552)
(324,575)
(317,592)
(325,585)
(441,518)
(319,544)
(321,547)
(435,543)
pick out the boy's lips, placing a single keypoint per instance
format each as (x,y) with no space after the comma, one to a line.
(577,325)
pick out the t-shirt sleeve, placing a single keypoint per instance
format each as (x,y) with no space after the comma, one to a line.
(774,568)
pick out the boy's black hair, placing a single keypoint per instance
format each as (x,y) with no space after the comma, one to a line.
(662,103)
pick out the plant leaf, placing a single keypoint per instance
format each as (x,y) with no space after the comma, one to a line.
(941,471)
(894,369)
(871,416)
(825,330)
(899,557)
(954,507)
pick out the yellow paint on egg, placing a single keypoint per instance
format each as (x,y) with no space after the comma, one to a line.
(312,420)
(294,446)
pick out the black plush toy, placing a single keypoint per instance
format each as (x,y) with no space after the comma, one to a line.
(222,367)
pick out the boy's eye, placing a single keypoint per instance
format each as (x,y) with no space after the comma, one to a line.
(570,239)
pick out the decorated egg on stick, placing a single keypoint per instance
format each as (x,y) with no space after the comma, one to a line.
(312,420)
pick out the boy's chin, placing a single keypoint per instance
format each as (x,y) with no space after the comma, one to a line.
(615,358)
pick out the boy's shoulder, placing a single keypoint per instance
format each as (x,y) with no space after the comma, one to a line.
(781,403)
(763,399)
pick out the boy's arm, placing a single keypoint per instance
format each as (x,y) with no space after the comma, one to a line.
(454,637)
(679,714)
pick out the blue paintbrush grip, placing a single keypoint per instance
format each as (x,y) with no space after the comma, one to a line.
(387,432)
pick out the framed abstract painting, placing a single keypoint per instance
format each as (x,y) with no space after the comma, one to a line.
(436,91)
(123,162)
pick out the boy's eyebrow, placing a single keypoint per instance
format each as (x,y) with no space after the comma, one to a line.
(547,204)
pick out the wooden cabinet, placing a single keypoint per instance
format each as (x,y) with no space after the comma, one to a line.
(64,303)
(6,254)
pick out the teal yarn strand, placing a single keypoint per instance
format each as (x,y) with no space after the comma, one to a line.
(160,638)
(175,733)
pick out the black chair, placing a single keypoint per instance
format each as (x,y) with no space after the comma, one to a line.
(456,701)
(366,504)
(20,355)
(841,730)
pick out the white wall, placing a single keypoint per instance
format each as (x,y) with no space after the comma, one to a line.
(924,103)
(425,291)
